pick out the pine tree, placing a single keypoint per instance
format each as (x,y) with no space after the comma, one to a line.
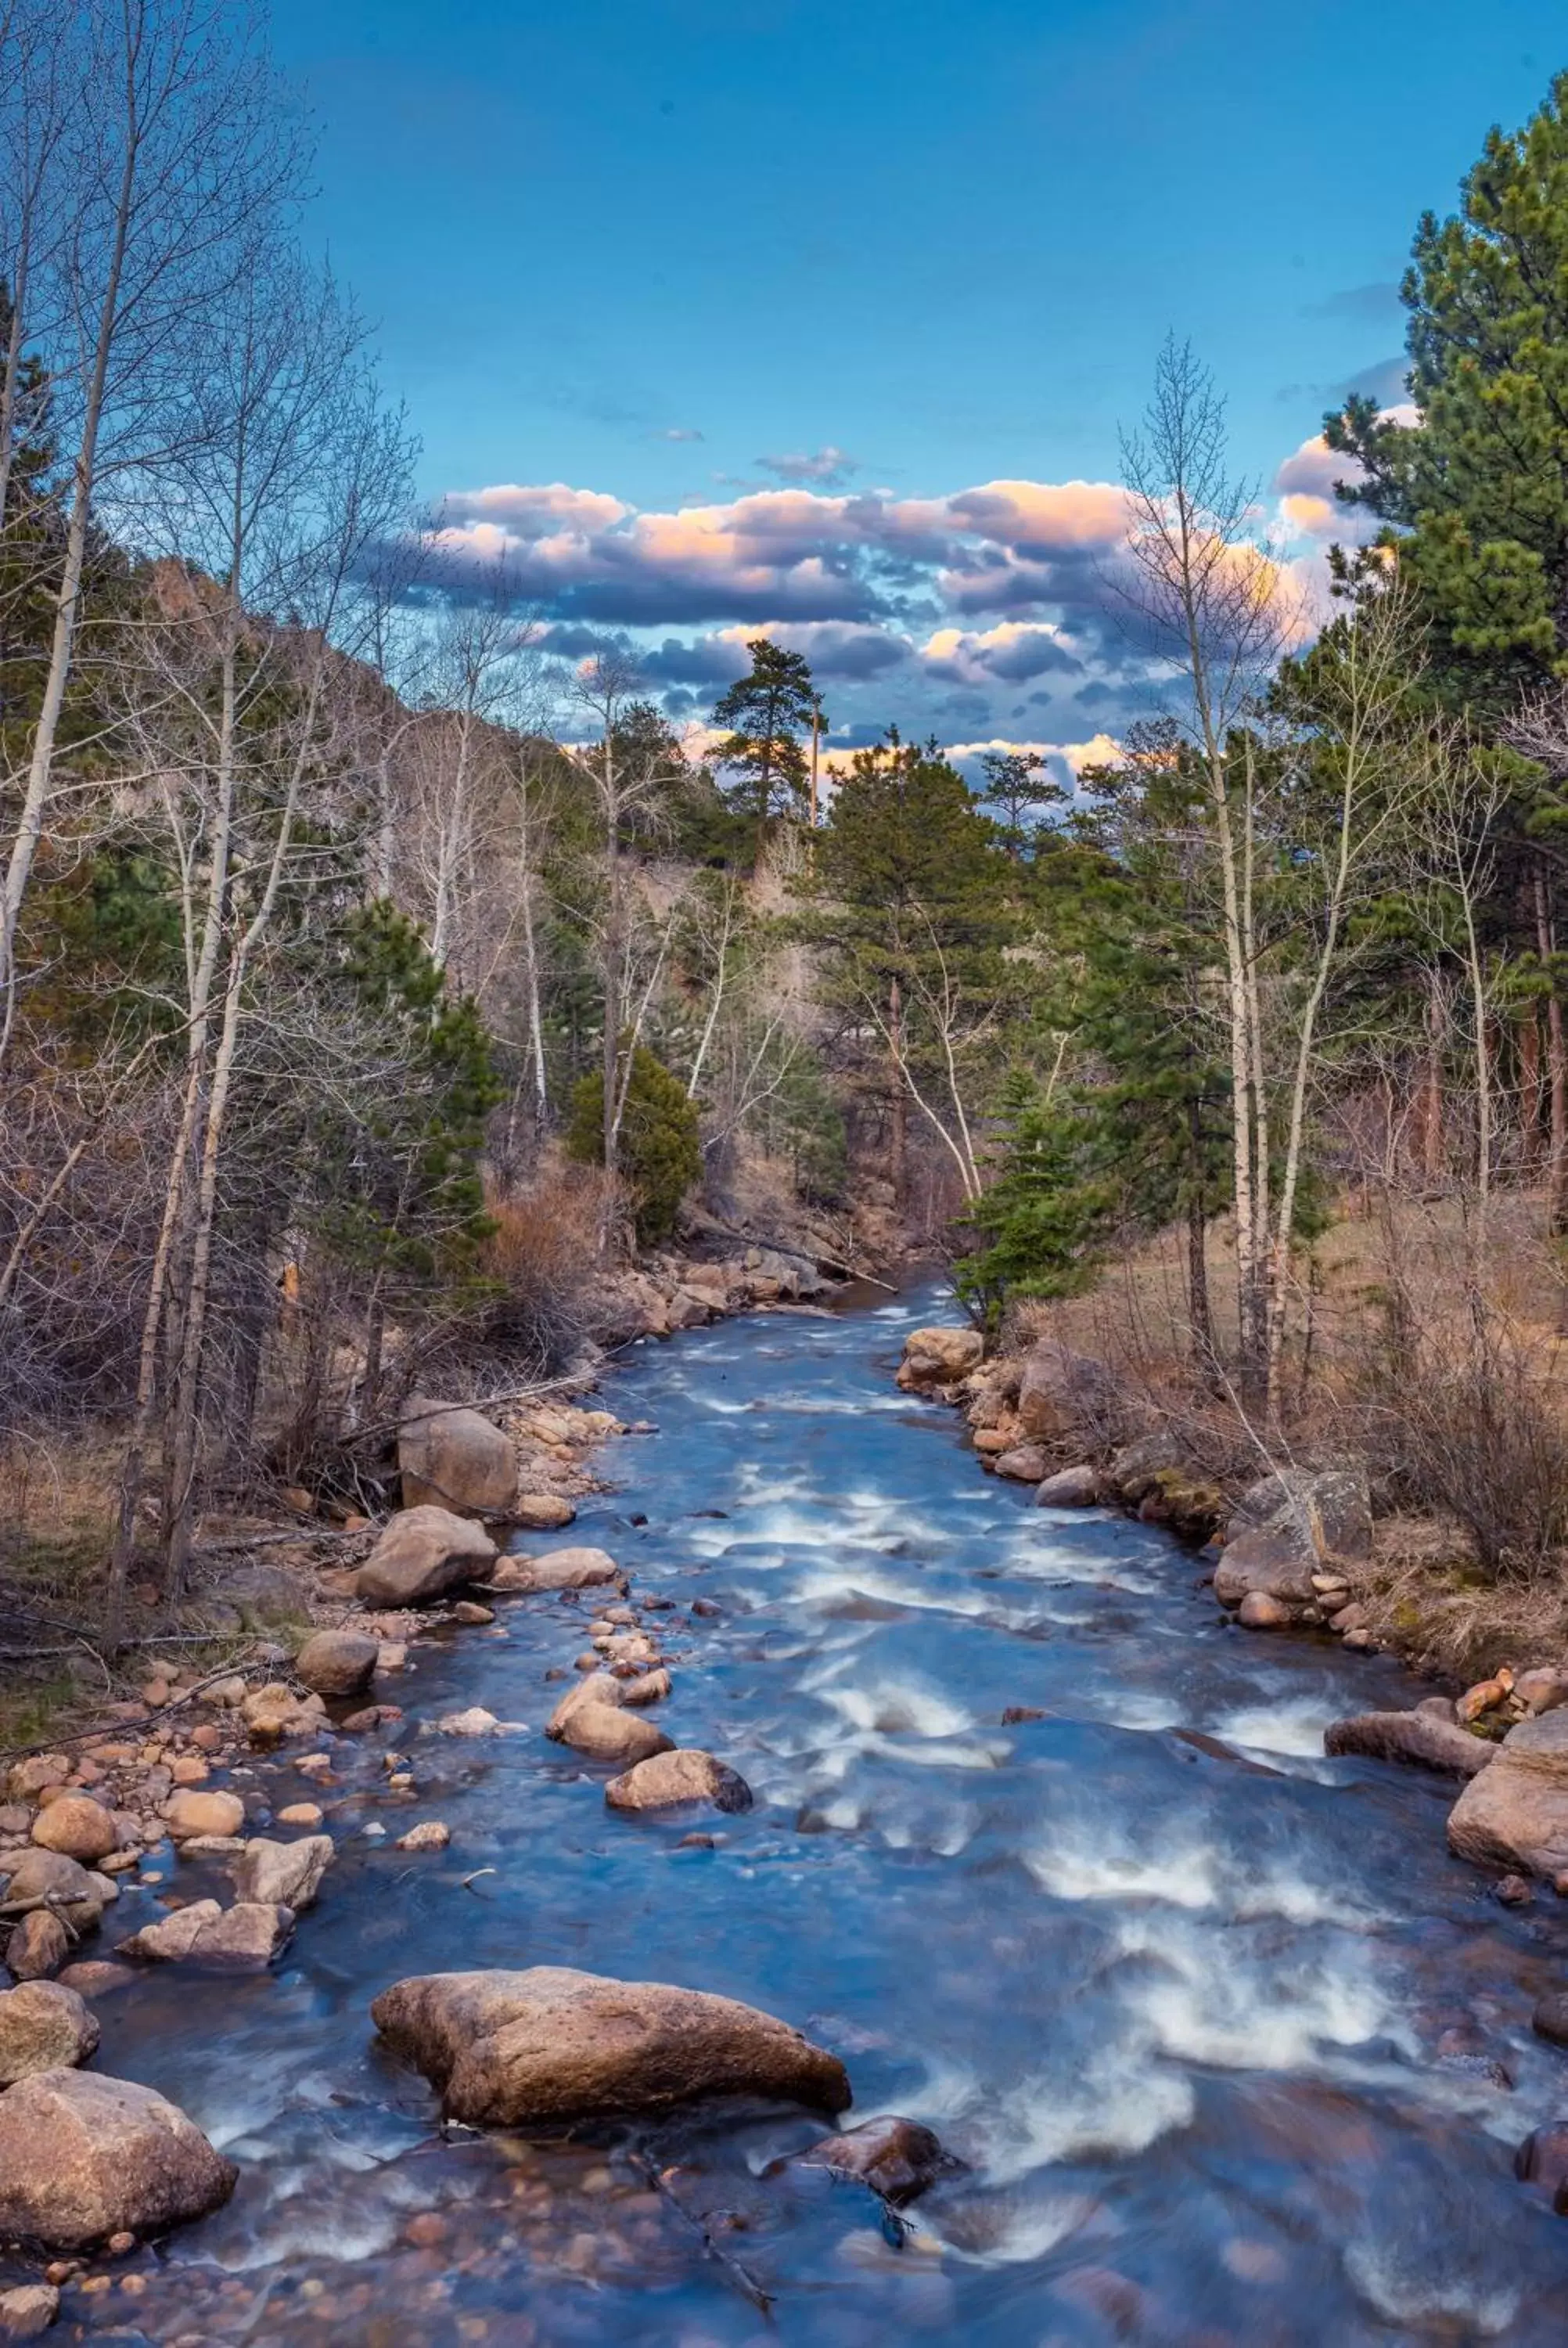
(767,711)
(1018,786)
(661,1154)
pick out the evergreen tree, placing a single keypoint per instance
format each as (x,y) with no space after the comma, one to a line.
(661,1156)
(767,712)
(1019,788)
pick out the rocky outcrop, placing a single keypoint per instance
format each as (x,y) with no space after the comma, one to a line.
(505,2049)
(896,2157)
(338,1662)
(1422,1737)
(940,1357)
(454,1458)
(1061,1393)
(83,2156)
(282,1874)
(1514,1815)
(1285,1529)
(674,1779)
(423,1554)
(43,2027)
(559,1569)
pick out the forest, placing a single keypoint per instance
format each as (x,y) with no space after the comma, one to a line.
(376,981)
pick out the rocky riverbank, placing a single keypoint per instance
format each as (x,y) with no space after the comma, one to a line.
(1293,1549)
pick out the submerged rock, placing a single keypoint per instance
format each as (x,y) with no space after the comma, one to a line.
(559,1569)
(1550,2019)
(423,1554)
(83,2156)
(1420,1736)
(44,2026)
(27,2311)
(591,1719)
(896,2157)
(552,2043)
(1543,2159)
(453,1457)
(680,1776)
(1514,1815)
(187,1815)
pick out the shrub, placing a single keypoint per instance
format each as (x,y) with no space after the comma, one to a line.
(541,1257)
(661,1157)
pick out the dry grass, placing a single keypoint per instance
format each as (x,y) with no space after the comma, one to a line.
(543,1258)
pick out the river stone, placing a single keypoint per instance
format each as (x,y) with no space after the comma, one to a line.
(37,1946)
(1550,2019)
(273,1713)
(1072,1488)
(26,1780)
(1260,1611)
(338,1662)
(43,2027)
(1026,1463)
(939,1356)
(1136,1470)
(505,2049)
(27,2311)
(682,1774)
(1421,1736)
(542,1512)
(77,1826)
(47,1878)
(188,1814)
(455,1459)
(559,1569)
(1542,2158)
(1060,1393)
(649,1688)
(241,1938)
(896,2157)
(601,1732)
(282,1874)
(423,1554)
(1514,1815)
(83,2156)
(1278,1561)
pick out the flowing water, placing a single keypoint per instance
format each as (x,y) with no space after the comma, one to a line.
(1215,2025)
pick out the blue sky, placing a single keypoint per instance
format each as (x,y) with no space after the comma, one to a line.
(810,271)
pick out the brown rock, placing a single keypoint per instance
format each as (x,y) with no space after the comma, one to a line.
(939,1356)
(542,1512)
(1485,1696)
(681,1775)
(1072,1488)
(44,2026)
(649,1688)
(1026,1463)
(96,1977)
(76,1827)
(423,1554)
(560,1568)
(602,1732)
(432,1834)
(337,1663)
(505,2049)
(1419,1736)
(187,1814)
(82,2157)
(282,1874)
(301,1813)
(27,2311)
(470,1612)
(26,1780)
(452,1457)
(1062,1392)
(242,1939)
(47,1878)
(1542,2158)
(190,1769)
(896,2157)
(1260,1611)
(1276,1561)
(273,1713)
(1541,1690)
(1550,2019)
(1514,1815)
(37,1946)
(990,1442)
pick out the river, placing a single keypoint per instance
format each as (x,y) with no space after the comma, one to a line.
(1215,2030)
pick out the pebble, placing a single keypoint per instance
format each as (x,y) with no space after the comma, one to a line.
(1513,1890)
(433,1834)
(300,1814)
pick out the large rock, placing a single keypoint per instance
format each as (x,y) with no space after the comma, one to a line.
(559,1569)
(265,1596)
(1025,1463)
(896,2157)
(47,1878)
(1329,1505)
(940,1357)
(282,1874)
(188,1814)
(242,1938)
(83,2156)
(1514,1815)
(1419,1736)
(43,2027)
(1062,1395)
(505,2049)
(1072,1488)
(1138,1468)
(338,1662)
(423,1554)
(37,1946)
(591,1718)
(78,1826)
(681,1775)
(273,1713)
(454,1458)
(542,1512)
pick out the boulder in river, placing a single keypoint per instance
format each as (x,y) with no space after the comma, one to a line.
(898,2158)
(1550,2019)
(454,1457)
(1025,1463)
(83,2156)
(43,2027)
(940,1357)
(283,1874)
(1514,1815)
(1070,1488)
(48,1880)
(338,1662)
(78,1827)
(1061,1393)
(189,1814)
(27,2310)
(37,1946)
(242,1938)
(504,2049)
(423,1554)
(1543,2159)
(559,1569)
(1421,1736)
(681,1775)
(542,1512)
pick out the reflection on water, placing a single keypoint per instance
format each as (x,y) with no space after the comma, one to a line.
(1180,1993)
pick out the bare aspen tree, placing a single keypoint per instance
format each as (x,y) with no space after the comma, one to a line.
(1210,600)
(172,153)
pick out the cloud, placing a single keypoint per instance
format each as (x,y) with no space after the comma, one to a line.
(827,469)
(679,432)
(1013,650)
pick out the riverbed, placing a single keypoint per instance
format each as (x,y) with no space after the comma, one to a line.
(1221,2034)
